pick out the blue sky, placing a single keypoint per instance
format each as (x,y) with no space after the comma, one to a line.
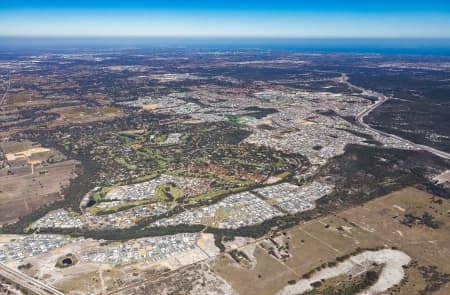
(245,18)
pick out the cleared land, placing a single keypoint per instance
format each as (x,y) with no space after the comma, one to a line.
(20,195)
(32,176)
(312,248)
(379,223)
(94,278)
(84,114)
(392,273)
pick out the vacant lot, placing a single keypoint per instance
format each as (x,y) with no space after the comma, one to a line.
(311,245)
(84,114)
(429,247)
(379,223)
(268,276)
(20,195)
(33,176)
(382,217)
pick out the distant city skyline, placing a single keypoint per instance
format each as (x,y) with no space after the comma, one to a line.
(282,19)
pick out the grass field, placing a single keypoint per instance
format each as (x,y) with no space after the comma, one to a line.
(19,98)
(98,211)
(168,192)
(123,162)
(381,217)
(83,114)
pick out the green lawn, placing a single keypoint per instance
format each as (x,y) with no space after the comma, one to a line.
(124,163)
(168,192)
(99,211)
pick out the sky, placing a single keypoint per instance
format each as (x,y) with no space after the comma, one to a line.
(232,18)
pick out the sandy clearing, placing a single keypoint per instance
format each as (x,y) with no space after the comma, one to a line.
(44,264)
(189,257)
(212,278)
(399,208)
(150,107)
(249,250)
(391,274)
(26,153)
(443,177)
(206,243)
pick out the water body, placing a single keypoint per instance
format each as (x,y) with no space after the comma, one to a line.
(91,203)
(67,261)
(359,45)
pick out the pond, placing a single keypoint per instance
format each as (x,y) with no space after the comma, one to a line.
(91,203)
(67,261)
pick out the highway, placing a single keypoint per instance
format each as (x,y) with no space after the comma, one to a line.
(7,89)
(27,282)
(382,99)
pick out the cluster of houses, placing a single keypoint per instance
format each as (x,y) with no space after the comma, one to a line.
(121,219)
(237,210)
(191,186)
(28,246)
(147,250)
(292,198)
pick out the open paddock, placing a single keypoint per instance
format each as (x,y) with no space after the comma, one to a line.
(375,225)
(21,194)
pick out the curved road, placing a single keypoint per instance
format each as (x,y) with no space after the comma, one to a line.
(2,100)
(381,98)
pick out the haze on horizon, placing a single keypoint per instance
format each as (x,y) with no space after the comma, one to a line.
(247,18)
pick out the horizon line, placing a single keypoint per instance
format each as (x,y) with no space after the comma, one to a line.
(234,37)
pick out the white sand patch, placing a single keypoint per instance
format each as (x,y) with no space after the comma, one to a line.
(392,273)
(190,257)
(238,242)
(213,285)
(272,180)
(399,208)
(206,243)
(443,177)
(249,250)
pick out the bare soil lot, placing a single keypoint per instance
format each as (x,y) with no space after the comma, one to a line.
(379,223)
(267,277)
(20,195)
(382,216)
(84,114)
(33,176)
